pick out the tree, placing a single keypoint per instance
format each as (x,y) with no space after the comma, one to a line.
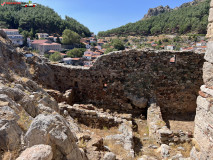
(70,37)
(58,40)
(76,52)
(118,44)
(109,50)
(93,44)
(55,57)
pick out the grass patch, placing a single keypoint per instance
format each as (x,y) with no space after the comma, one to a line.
(24,121)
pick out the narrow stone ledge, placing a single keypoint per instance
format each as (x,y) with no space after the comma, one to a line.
(206,90)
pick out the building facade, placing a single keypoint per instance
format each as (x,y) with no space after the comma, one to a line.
(16,38)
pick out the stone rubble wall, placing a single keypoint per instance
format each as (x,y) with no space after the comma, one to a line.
(203,133)
(125,80)
(91,116)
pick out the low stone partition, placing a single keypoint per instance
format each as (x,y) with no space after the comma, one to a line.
(91,116)
(158,130)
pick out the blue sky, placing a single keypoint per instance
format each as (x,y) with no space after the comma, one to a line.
(101,15)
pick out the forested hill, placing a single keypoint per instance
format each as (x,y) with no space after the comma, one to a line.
(189,19)
(38,19)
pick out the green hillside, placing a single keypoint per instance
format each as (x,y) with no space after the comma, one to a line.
(38,19)
(189,19)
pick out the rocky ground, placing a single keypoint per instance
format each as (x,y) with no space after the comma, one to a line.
(39,124)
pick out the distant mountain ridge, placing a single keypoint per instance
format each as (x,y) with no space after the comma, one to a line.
(161,9)
(191,17)
(156,11)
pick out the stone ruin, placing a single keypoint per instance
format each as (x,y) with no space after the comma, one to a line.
(126,81)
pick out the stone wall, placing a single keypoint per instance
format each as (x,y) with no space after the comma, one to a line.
(203,132)
(125,81)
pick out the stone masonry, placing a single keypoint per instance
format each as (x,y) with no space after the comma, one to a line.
(125,81)
(203,133)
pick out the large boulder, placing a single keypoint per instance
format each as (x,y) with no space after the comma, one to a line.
(14,93)
(10,132)
(37,152)
(56,132)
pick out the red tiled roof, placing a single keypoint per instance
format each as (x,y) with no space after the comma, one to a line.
(52,51)
(62,54)
(87,55)
(172,59)
(39,41)
(49,44)
(75,59)
(12,30)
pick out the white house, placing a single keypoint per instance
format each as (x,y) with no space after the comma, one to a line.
(88,56)
(42,35)
(169,47)
(67,60)
(45,45)
(202,43)
(16,38)
(88,52)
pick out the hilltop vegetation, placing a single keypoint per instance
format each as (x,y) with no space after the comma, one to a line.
(38,19)
(189,19)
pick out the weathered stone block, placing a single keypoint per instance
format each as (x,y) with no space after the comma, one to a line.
(209,52)
(208,73)
(210,15)
(203,103)
(210,30)
(206,90)
(211,4)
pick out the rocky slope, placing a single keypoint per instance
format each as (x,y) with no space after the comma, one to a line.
(29,116)
(161,9)
(156,11)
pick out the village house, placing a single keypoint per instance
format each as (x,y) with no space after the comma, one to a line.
(87,56)
(45,45)
(67,60)
(87,45)
(72,61)
(16,38)
(35,43)
(202,43)
(42,35)
(88,63)
(169,47)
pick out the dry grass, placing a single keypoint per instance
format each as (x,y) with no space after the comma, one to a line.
(32,70)
(117,149)
(24,79)
(187,149)
(24,121)
(3,103)
(101,132)
(10,155)
(82,144)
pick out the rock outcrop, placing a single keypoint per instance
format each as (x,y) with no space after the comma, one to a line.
(156,11)
(37,152)
(54,131)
